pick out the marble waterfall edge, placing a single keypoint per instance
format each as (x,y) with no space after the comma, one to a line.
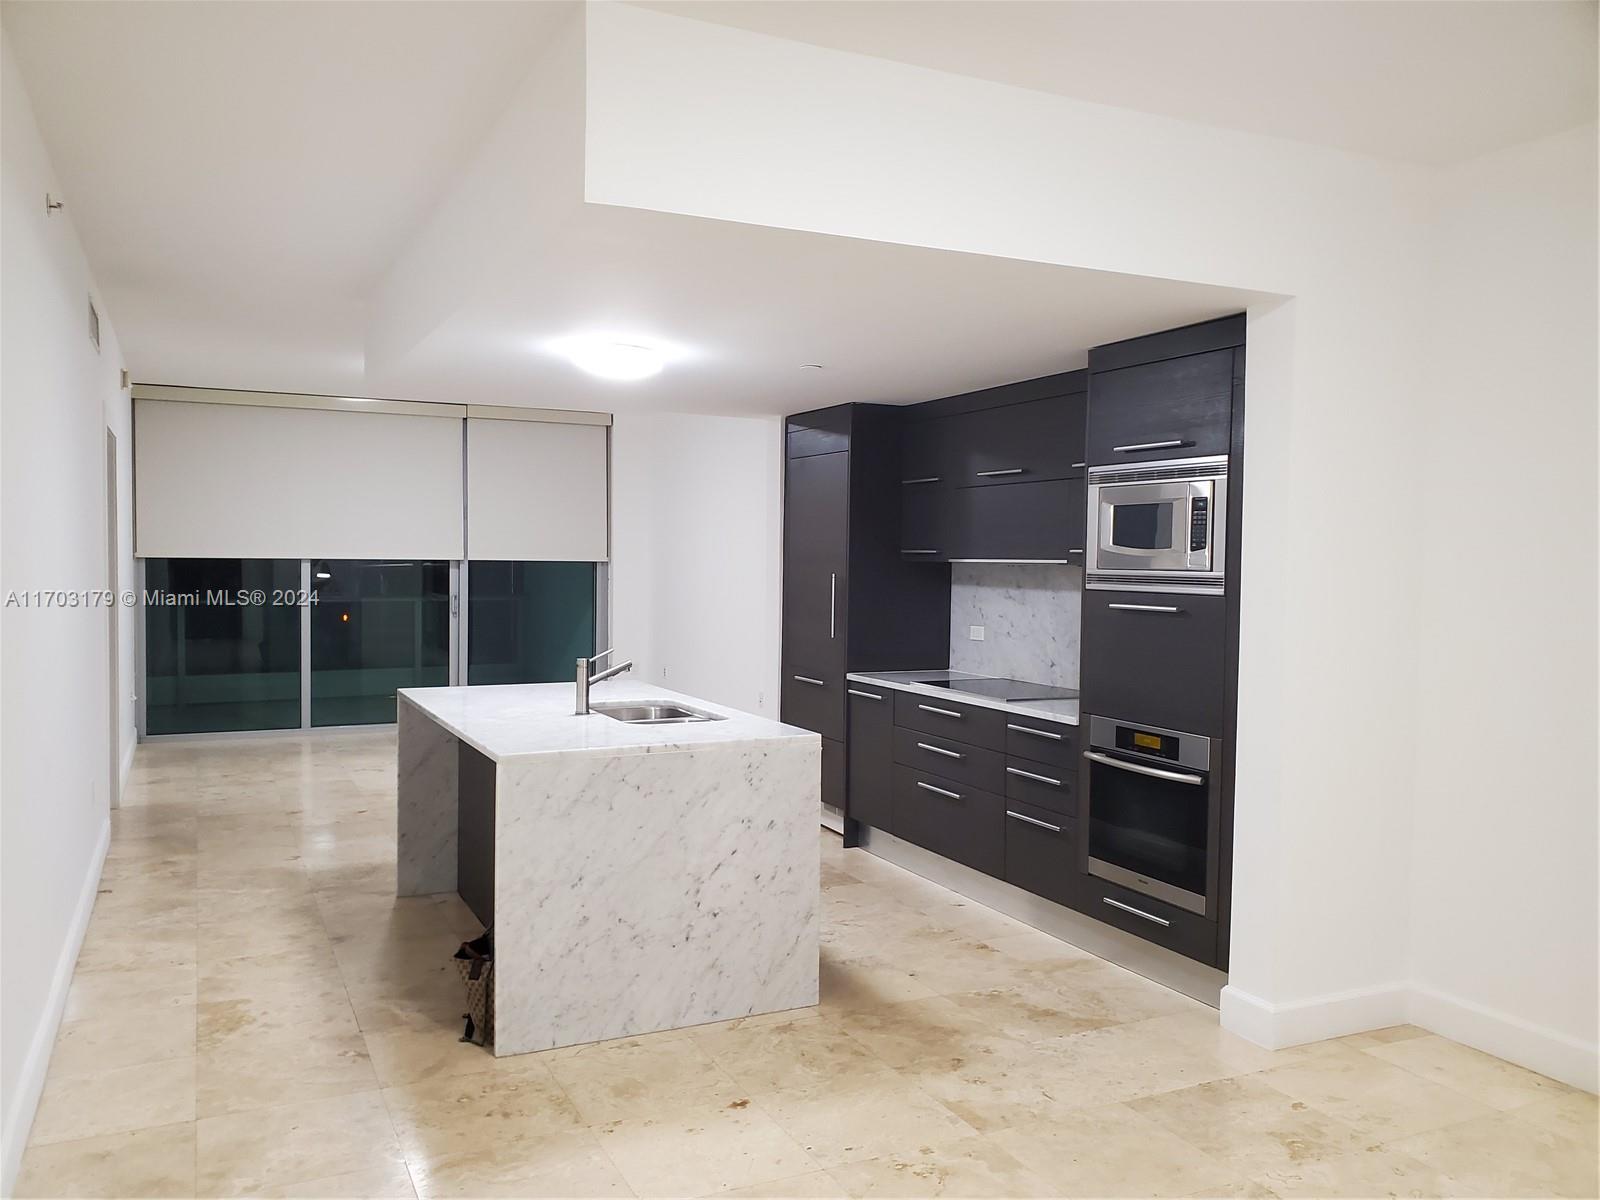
(654,891)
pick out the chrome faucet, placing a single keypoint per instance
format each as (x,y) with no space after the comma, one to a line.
(585,679)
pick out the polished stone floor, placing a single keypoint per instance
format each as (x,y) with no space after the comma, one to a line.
(254,1013)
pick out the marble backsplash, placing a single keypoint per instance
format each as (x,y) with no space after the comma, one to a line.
(1029,612)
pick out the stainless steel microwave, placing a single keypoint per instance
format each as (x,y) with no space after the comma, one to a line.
(1158,527)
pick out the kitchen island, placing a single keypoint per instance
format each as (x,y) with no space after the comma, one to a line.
(639,877)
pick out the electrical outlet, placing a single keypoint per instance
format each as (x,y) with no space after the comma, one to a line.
(975,633)
(663,672)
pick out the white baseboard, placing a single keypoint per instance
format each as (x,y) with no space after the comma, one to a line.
(30,1081)
(1277,1026)
(1528,1045)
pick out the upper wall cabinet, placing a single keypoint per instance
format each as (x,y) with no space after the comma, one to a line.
(996,474)
(1169,395)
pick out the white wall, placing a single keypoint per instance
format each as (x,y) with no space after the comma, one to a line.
(696,545)
(688,117)
(57,397)
(1504,889)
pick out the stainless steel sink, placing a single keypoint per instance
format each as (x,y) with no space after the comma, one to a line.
(641,713)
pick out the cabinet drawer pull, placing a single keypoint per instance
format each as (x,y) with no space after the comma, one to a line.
(1155,608)
(1016,816)
(919,552)
(943,712)
(1018,771)
(924,479)
(1074,551)
(992,474)
(811,681)
(863,695)
(1044,733)
(1138,912)
(1172,445)
(939,750)
(1075,466)
(938,791)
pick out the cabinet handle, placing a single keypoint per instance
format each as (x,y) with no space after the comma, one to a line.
(1074,551)
(1156,608)
(1018,771)
(938,791)
(1054,737)
(991,474)
(1106,760)
(1016,816)
(1172,445)
(808,679)
(939,750)
(833,604)
(924,479)
(1138,912)
(943,712)
(863,695)
(919,552)
(1075,466)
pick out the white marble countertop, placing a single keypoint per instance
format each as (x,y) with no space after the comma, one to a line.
(504,721)
(1064,711)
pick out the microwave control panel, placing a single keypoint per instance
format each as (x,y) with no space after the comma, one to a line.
(1199,521)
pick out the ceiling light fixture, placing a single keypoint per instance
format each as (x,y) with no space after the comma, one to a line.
(612,358)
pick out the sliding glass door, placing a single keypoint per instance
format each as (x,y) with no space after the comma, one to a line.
(376,626)
(528,621)
(222,644)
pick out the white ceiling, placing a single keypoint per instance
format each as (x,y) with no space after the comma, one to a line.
(1423,81)
(246,176)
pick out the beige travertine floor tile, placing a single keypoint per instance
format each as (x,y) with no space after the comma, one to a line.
(392,1181)
(1494,1081)
(246,1153)
(402,1056)
(1110,1151)
(570,1164)
(1496,1156)
(992,1082)
(1023,1014)
(850,1123)
(116,1101)
(695,1151)
(853,983)
(1381,1037)
(914,1031)
(237,1074)
(281,976)
(233,1022)
(1373,1172)
(1201,1033)
(124,1039)
(640,1077)
(813,1185)
(972,1167)
(158,1161)
(1247,1189)
(110,992)
(1249,1125)
(1575,1116)
(444,1116)
(796,1057)
(1377,1099)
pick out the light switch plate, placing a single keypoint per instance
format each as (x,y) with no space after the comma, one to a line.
(975,633)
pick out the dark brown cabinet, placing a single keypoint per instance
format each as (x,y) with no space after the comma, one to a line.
(951,818)
(1018,443)
(1019,522)
(851,601)
(1042,853)
(1156,659)
(1168,395)
(871,757)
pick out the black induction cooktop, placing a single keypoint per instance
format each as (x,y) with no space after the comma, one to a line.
(1004,689)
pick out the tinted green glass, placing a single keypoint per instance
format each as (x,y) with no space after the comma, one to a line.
(527,622)
(376,627)
(222,644)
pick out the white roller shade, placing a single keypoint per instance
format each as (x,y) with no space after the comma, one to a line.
(536,491)
(241,481)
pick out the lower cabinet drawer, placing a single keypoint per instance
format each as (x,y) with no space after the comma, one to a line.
(813,698)
(1042,853)
(1164,924)
(950,818)
(1043,741)
(954,760)
(1044,784)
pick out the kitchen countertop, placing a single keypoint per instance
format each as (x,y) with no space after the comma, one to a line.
(506,721)
(1064,711)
